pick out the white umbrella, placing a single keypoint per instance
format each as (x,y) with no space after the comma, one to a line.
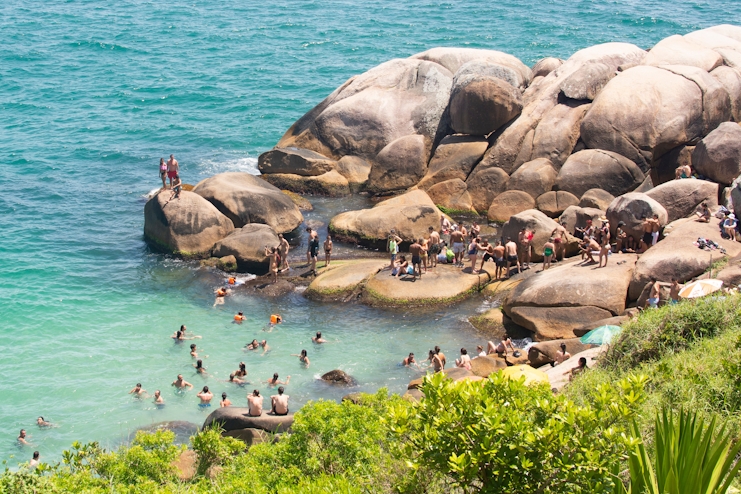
(700,288)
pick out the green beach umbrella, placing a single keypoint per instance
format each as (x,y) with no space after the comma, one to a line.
(601,336)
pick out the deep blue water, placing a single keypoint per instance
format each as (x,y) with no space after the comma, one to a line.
(91,95)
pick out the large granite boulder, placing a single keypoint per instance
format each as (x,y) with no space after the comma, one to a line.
(331,184)
(188,226)
(508,204)
(545,66)
(545,352)
(537,222)
(681,198)
(294,161)
(236,418)
(575,216)
(718,155)
(554,302)
(410,215)
(556,134)
(678,257)
(485,366)
(486,184)
(631,209)
(586,82)
(398,98)
(645,111)
(554,203)
(679,50)
(596,198)
(355,170)
(245,198)
(730,79)
(598,169)
(247,245)
(343,280)
(452,195)
(473,60)
(454,157)
(400,165)
(534,177)
(481,104)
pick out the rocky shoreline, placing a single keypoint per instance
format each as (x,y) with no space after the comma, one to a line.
(609,132)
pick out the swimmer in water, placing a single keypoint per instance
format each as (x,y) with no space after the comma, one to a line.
(242,371)
(232,280)
(253,345)
(205,395)
(43,423)
(409,361)
(235,380)
(138,392)
(193,352)
(181,383)
(225,402)
(200,369)
(220,294)
(158,400)
(318,338)
(302,357)
(239,318)
(179,336)
(23,438)
(275,381)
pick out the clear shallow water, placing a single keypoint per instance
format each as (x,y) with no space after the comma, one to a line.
(91,96)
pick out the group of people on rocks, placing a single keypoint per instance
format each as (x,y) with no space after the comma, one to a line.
(437,361)
(278,255)
(170,170)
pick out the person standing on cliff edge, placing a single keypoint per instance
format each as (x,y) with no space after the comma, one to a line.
(173,168)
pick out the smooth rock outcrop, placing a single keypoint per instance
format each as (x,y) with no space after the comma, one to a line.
(730,79)
(544,353)
(631,209)
(645,111)
(188,226)
(556,134)
(245,198)
(681,197)
(718,155)
(535,221)
(587,81)
(355,170)
(410,215)
(485,366)
(598,169)
(295,161)
(554,302)
(331,184)
(554,203)
(545,66)
(236,418)
(398,98)
(534,177)
(247,245)
(678,50)
(484,185)
(596,199)
(341,280)
(508,204)
(454,157)
(400,165)
(456,60)
(575,216)
(677,256)
(452,195)
(481,104)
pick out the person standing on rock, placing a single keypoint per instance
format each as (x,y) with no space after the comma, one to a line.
(548,250)
(653,296)
(459,247)
(173,169)
(434,246)
(425,249)
(674,291)
(559,240)
(655,227)
(510,249)
(524,241)
(473,251)
(604,242)
(328,251)
(488,251)
(416,251)
(312,235)
(279,402)
(392,246)
(499,260)
(272,254)
(314,252)
(163,173)
(283,249)
(254,402)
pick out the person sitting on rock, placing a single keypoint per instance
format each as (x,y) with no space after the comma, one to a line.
(562,355)
(620,236)
(630,245)
(279,402)
(464,361)
(254,402)
(501,348)
(480,351)
(403,268)
(729,226)
(653,296)
(578,369)
(684,171)
(589,247)
(177,187)
(703,213)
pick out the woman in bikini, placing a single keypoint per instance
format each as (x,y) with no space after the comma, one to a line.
(473,250)
(302,357)
(163,172)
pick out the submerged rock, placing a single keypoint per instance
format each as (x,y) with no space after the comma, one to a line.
(338,377)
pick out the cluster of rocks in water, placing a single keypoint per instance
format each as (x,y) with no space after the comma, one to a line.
(470,131)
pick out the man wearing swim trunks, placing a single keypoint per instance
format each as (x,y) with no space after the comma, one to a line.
(488,251)
(510,249)
(416,251)
(653,296)
(392,245)
(314,252)
(173,168)
(254,401)
(283,249)
(312,235)
(280,402)
(655,226)
(434,246)
(205,395)
(456,238)
(499,260)
(647,239)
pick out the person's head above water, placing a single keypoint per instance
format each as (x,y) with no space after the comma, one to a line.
(223,396)
(192,346)
(303,353)
(231,376)
(318,334)
(275,376)
(182,328)
(199,364)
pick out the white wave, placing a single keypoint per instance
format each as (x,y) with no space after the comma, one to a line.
(151,193)
(212,166)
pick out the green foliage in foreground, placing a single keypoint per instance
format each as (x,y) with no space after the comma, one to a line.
(490,436)
(690,458)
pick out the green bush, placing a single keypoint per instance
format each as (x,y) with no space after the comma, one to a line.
(500,436)
(212,449)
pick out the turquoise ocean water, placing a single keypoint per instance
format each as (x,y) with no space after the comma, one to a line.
(93,93)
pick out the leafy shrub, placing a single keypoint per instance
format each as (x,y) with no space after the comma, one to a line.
(502,436)
(212,449)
